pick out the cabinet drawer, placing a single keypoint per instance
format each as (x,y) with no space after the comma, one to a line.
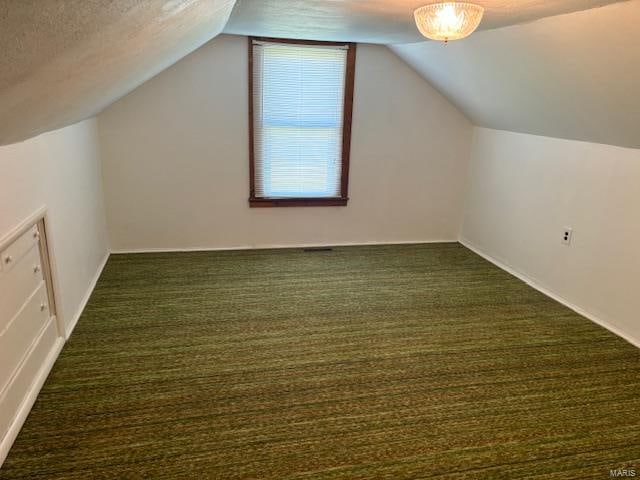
(18,284)
(23,380)
(11,255)
(16,338)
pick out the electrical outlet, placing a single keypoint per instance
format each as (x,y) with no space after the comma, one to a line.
(567,234)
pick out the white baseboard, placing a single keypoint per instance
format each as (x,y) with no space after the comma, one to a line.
(69,329)
(275,246)
(534,284)
(29,399)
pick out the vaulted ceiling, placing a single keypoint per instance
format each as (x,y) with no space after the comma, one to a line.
(375,21)
(65,60)
(572,76)
(535,68)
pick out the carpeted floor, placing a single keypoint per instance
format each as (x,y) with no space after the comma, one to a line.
(396,362)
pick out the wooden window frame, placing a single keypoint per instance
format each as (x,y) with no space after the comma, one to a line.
(341,201)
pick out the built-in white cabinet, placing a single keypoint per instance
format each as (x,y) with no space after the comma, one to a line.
(28,330)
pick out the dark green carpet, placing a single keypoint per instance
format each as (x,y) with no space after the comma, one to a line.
(389,362)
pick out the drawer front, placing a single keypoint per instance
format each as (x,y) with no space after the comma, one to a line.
(14,396)
(18,285)
(22,331)
(11,255)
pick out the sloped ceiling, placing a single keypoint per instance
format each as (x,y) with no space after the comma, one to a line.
(375,21)
(574,76)
(571,76)
(65,60)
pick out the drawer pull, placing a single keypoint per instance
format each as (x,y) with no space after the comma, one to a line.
(43,306)
(36,269)
(36,235)
(8,260)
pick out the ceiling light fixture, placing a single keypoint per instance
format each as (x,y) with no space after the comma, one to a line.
(448,20)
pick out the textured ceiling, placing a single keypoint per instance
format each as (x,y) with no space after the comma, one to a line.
(65,60)
(573,76)
(375,21)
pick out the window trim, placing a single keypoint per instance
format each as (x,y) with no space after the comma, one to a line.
(341,201)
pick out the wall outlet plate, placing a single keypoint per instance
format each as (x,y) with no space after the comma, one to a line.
(567,235)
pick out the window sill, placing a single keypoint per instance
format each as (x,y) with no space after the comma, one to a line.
(297,202)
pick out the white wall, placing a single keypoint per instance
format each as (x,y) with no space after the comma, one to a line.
(523,190)
(61,170)
(175,160)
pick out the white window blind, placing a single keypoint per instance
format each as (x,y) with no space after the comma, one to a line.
(298,105)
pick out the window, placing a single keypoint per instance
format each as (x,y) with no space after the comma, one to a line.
(300,104)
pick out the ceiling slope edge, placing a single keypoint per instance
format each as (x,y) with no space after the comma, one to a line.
(90,75)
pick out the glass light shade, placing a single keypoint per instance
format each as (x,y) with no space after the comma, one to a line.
(448,20)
